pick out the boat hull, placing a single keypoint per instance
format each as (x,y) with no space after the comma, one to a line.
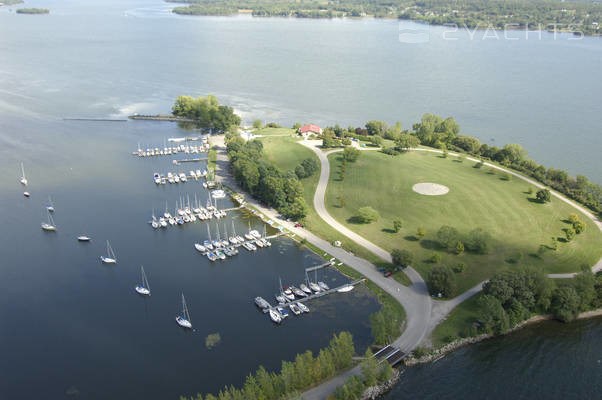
(183,322)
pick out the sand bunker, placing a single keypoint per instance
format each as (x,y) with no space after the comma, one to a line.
(430,189)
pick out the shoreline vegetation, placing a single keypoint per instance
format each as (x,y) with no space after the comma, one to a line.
(438,353)
(10,2)
(33,11)
(578,17)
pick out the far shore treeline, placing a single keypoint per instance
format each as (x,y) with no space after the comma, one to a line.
(286,195)
(571,16)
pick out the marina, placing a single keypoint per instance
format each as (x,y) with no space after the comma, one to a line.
(172,150)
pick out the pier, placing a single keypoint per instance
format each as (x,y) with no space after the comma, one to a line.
(317,267)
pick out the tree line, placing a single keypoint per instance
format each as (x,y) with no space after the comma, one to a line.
(294,376)
(207,112)
(582,16)
(264,180)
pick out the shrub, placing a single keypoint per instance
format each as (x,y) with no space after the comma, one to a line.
(420,352)
(420,232)
(257,124)
(478,241)
(505,176)
(351,154)
(543,196)
(310,165)
(300,171)
(397,224)
(442,280)
(367,215)
(515,258)
(459,248)
(435,258)
(579,227)
(447,237)
(570,234)
(390,151)
(272,125)
(459,268)
(402,258)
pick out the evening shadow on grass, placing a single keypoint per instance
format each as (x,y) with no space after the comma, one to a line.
(411,238)
(356,220)
(388,230)
(430,244)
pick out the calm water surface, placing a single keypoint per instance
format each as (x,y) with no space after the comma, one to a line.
(68,321)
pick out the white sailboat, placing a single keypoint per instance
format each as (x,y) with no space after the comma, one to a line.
(184,319)
(23,179)
(83,238)
(49,226)
(144,287)
(110,258)
(50,206)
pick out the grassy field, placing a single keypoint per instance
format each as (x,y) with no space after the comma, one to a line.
(287,154)
(275,132)
(457,322)
(477,199)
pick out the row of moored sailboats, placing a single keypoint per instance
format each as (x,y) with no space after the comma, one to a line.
(220,249)
(177,177)
(184,213)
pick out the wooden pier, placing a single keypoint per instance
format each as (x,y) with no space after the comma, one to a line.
(311,269)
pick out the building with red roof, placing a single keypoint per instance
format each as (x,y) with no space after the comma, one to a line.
(310,129)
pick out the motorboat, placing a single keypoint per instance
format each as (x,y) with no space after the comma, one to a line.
(211,256)
(261,302)
(288,293)
(218,194)
(200,247)
(302,307)
(275,316)
(157,178)
(249,236)
(184,319)
(255,234)
(304,287)
(207,244)
(144,287)
(282,312)
(280,299)
(323,286)
(83,238)
(294,309)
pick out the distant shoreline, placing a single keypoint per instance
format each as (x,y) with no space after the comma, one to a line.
(161,117)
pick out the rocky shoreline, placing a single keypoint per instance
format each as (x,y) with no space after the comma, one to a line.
(448,348)
(374,392)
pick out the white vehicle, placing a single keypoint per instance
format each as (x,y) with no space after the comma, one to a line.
(144,287)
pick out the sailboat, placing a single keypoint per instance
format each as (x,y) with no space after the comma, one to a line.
(23,179)
(49,226)
(83,238)
(144,287)
(110,258)
(50,206)
(184,319)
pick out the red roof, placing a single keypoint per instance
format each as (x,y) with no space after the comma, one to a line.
(310,128)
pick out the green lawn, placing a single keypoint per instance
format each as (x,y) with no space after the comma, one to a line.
(274,131)
(476,199)
(457,323)
(286,153)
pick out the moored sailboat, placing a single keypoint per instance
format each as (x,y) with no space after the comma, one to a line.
(184,320)
(110,258)
(144,287)
(49,226)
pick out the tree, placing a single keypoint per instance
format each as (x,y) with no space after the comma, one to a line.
(328,141)
(406,142)
(459,248)
(402,258)
(478,241)
(514,153)
(565,303)
(376,128)
(300,171)
(579,227)
(297,126)
(543,196)
(257,124)
(435,258)
(584,284)
(376,141)
(297,209)
(351,154)
(397,224)
(310,165)
(369,368)
(385,373)
(420,233)
(367,215)
(459,268)
(570,234)
(492,316)
(447,237)
(442,280)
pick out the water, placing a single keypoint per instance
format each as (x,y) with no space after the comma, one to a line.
(69,321)
(119,57)
(545,361)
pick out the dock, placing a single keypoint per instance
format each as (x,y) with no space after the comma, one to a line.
(316,295)
(317,267)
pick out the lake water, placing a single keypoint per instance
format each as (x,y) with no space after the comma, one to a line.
(68,321)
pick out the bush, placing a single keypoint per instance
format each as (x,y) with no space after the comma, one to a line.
(516,257)
(447,237)
(300,171)
(420,233)
(419,352)
(459,248)
(570,234)
(543,196)
(389,151)
(367,215)
(402,258)
(565,303)
(272,125)
(257,124)
(346,141)
(397,224)
(310,165)
(435,258)
(459,268)
(505,176)
(351,154)
(478,241)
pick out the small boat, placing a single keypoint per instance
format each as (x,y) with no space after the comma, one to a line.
(26,194)
(83,238)
(280,299)
(207,244)
(345,289)
(288,293)
(110,258)
(275,316)
(261,303)
(200,247)
(282,312)
(49,226)
(157,178)
(315,287)
(50,206)
(258,243)
(184,319)
(220,254)
(162,222)
(294,309)
(248,236)
(211,256)
(304,287)
(302,307)
(323,286)
(255,234)
(23,179)
(144,287)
